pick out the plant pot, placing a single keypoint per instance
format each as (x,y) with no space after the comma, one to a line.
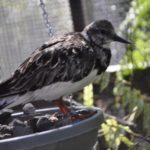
(78,136)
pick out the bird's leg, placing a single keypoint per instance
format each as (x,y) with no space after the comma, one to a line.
(71,105)
(69,98)
(73,115)
(62,106)
(81,116)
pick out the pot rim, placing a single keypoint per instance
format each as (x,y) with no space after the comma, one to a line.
(58,134)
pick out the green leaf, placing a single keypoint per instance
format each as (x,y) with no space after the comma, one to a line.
(104,80)
(126,141)
(88,95)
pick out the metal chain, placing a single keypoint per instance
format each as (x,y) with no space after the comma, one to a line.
(46,20)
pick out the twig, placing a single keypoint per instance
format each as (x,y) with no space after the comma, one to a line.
(121,121)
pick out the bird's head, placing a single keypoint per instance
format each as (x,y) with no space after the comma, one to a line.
(102,32)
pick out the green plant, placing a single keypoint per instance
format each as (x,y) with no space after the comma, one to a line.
(114,133)
(138,20)
(88,95)
(135,106)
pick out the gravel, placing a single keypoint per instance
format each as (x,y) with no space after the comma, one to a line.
(31,121)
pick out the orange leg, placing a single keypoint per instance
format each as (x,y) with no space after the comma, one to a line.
(62,106)
(74,116)
(81,116)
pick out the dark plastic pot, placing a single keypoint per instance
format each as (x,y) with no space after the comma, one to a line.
(78,136)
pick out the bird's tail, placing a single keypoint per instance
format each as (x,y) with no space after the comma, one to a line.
(5,102)
(6,96)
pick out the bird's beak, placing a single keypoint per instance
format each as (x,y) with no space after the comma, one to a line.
(119,39)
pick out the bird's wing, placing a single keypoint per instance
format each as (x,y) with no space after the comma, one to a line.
(64,59)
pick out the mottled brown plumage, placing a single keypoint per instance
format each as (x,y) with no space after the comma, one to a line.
(65,59)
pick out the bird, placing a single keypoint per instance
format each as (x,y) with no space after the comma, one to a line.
(61,66)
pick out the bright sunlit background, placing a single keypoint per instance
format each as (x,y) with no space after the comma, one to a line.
(123,93)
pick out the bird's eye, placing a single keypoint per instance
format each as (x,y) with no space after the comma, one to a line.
(103,31)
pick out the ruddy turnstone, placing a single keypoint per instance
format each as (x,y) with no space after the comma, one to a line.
(61,66)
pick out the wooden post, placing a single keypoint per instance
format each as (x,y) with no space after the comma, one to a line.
(77,14)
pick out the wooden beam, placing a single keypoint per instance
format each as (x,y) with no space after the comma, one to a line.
(77,14)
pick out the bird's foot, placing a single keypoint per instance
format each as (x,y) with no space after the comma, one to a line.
(73,114)
(82,114)
(62,106)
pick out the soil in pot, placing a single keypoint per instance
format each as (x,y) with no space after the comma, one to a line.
(33,121)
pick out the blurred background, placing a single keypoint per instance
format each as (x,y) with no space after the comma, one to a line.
(123,92)
(22,28)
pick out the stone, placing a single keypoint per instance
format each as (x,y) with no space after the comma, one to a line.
(5,115)
(44,124)
(20,128)
(5,129)
(32,123)
(29,109)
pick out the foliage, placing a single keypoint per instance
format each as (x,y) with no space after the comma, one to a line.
(115,133)
(138,56)
(139,52)
(104,80)
(129,98)
(134,105)
(88,95)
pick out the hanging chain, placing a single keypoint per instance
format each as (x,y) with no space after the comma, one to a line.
(45,17)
